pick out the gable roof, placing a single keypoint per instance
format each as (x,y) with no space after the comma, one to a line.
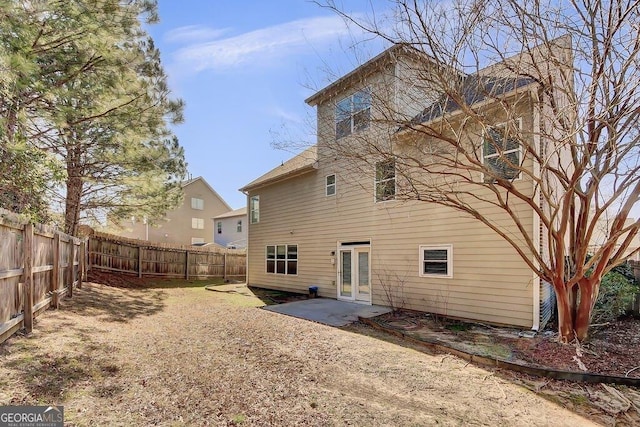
(231,214)
(199,178)
(301,164)
(363,71)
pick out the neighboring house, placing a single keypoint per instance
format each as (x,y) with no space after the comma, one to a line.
(190,223)
(313,223)
(230,229)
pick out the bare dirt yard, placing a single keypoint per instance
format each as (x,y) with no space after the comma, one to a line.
(171,355)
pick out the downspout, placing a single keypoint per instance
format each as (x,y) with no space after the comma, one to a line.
(536,219)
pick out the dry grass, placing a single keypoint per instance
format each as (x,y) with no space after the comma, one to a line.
(186,356)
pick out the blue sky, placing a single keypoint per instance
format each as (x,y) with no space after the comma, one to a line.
(244,69)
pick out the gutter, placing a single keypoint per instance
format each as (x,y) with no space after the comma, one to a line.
(291,174)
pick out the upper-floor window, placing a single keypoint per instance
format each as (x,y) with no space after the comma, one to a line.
(197,203)
(219,226)
(330,184)
(239,226)
(197,223)
(353,113)
(501,153)
(385,180)
(254,209)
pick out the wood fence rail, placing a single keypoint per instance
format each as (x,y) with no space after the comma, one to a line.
(38,266)
(121,255)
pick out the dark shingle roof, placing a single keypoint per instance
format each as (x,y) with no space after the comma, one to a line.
(474,89)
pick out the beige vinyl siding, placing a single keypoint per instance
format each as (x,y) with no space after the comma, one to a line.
(490,282)
(176,227)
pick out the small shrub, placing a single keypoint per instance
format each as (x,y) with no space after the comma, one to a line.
(616,295)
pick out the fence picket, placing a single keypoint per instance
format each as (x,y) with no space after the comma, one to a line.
(31,276)
(142,258)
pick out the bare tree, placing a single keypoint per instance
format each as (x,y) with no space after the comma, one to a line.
(526,106)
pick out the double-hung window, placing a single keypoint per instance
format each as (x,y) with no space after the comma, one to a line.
(197,223)
(385,182)
(501,153)
(254,209)
(197,203)
(436,261)
(282,259)
(353,113)
(330,186)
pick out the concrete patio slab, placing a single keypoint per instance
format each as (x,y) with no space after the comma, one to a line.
(328,311)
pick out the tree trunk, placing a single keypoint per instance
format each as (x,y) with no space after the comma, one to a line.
(587,301)
(72,203)
(565,312)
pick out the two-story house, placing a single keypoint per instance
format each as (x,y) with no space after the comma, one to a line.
(230,229)
(328,220)
(190,223)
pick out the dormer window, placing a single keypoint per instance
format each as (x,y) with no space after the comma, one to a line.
(353,113)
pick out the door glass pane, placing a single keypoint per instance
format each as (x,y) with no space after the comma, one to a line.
(363,272)
(345,263)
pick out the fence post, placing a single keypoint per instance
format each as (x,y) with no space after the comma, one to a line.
(87,261)
(55,273)
(72,270)
(81,261)
(28,277)
(186,265)
(224,272)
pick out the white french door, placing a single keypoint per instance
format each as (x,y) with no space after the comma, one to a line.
(354,278)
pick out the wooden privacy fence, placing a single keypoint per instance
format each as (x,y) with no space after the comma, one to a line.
(38,266)
(121,255)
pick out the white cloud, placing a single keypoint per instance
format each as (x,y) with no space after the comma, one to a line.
(286,116)
(191,33)
(263,46)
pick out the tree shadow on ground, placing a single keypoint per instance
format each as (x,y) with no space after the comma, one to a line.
(132,281)
(114,304)
(48,377)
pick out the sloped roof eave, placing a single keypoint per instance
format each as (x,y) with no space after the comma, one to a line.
(303,170)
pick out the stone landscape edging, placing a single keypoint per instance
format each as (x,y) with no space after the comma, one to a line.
(501,363)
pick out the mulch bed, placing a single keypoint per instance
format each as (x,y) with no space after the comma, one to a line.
(610,350)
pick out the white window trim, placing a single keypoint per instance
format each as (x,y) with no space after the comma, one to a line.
(252,210)
(353,113)
(219,227)
(197,240)
(286,259)
(448,248)
(200,203)
(519,149)
(375,184)
(239,226)
(334,185)
(197,222)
